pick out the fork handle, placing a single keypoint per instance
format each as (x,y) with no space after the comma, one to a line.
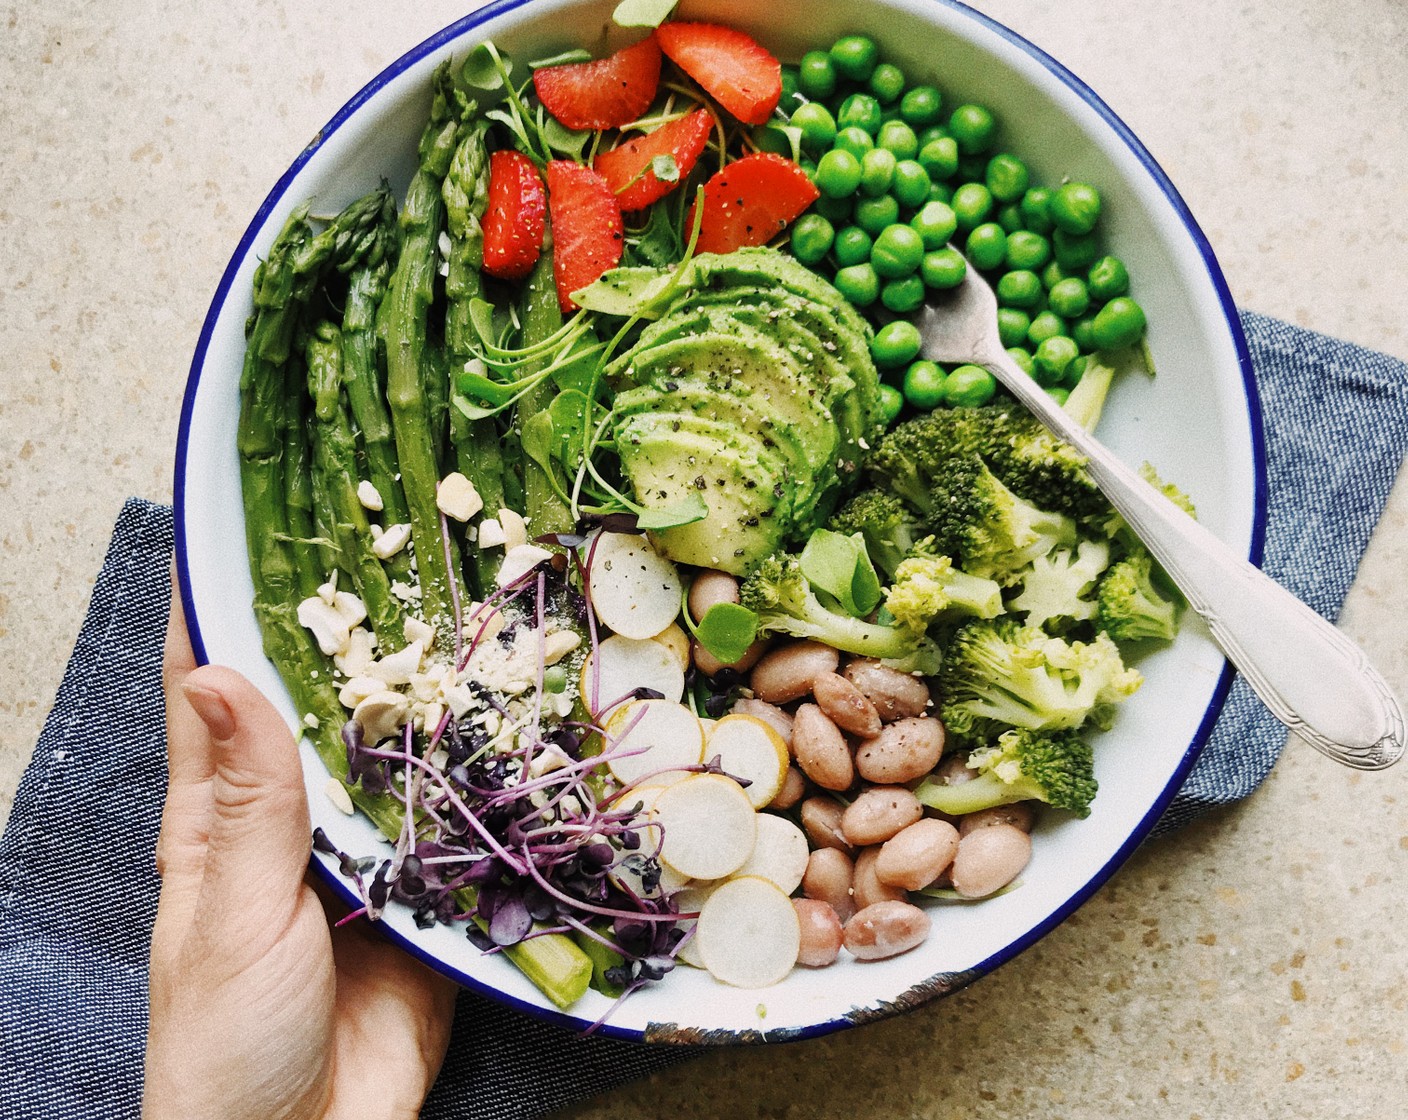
(1309,674)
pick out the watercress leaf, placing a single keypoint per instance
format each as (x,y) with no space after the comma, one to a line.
(658,244)
(626,292)
(514,124)
(478,386)
(780,139)
(484,70)
(686,511)
(561,139)
(642,13)
(840,566)
(481,318)
(472,410)
(562,58)
(727,630)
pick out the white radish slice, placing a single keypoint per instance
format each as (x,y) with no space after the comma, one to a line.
(779,853)
(677,641)
(646,737)
(690,901)
(634,590)
(629,874)
(747,748)
(627,663)
(709,826)
(748,933)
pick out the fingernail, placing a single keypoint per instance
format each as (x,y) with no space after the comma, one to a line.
(212,709)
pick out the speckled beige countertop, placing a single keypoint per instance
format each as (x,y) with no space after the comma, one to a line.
(1254,965)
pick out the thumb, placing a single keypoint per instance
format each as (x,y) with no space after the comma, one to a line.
(259,828)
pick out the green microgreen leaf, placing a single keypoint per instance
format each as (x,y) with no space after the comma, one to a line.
(665,168)
(726,631)
(840,566)
(686,511)
(487,71)
(562,58)
(642,13)
(560,138)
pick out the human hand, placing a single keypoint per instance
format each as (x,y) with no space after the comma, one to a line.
(258,1008)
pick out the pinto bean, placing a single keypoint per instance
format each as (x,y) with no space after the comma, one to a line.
(828,878)
(915,856)
(786,672)
(904,750)
(821,750)
(878,813)
(821,933)
(793,787)
(989,858)
(709,589)
(847,706)
(866,887)
(770,714)
(895,695)
(1021,815)
(885,929)
(821,821)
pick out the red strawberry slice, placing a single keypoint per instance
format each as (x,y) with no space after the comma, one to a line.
(750,202)
(514,217)
(733,69)
(627,167)
(606,93)
(587,236)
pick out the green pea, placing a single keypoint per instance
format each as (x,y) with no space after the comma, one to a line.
(1053,274)
(789,99)
(1018,288)
(817,125)
(858,284)
(935,223)
(1007,177)
(838,174)
(969,387)
(860,110)
(891,402)
(973,127)
(1012,324)
(1083,331)
(986,246)
(899,138)
(856,141)
(852,246)
(1022,356)
(855,56)
(911,184)
(1121,322)
(898,251)
(837,211)
(554,678)
(1075,371)
(940,192)
(1045,325)
(1052,357)
(924,385)
(940,157)
(808,166)
(1034,210)
(1107,279)
(874,214)
(811,238)
(816,76)
(1075,207)
(921,106)
(943,268)
(933,132)
(972,203)
(887,83)
(877,171)
(1027,250)
(903,295)
(1069,298)
(895,344)
(973,169)
(1058,393)
(1075,251)
(1009,217)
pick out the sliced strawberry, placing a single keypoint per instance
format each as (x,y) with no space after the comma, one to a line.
(606,93)
(514,217)
(627,167)
(587,236)
(733,69)
(750,202)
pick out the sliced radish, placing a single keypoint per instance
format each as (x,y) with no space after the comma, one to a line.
(629,874)
(676,641)
(709,826)
(635,590)
(779,854)
(690,901)
(747,748)
(626,664)
(647,737)
(748,933)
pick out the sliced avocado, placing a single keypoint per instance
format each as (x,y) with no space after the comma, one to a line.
(767,268)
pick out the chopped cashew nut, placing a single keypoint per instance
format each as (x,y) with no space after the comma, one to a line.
(515,528)
(338,795)
(491,533)
(329,626)
(417,631)
(358,689)
(398,667)
(456,497)
(519,561)
(357,655)
(369,496)
(559,644)
(382,714)
(391,541)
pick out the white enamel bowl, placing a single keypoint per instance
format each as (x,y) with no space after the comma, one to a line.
(1198,421)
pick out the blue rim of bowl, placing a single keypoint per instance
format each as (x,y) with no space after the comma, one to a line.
(491,11)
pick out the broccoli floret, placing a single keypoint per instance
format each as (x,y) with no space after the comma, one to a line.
(926,587)
(1130,604)
(999,674)
(987,528)
(1055,586)
(1056,767)
(1117,529)
(890,530)
(782,598)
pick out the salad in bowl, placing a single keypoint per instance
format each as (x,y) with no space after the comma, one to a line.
(677,652)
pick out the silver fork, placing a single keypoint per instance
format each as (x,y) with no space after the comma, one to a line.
(1313,678)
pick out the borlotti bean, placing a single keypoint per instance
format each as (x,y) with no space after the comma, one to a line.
(904,750)
(822,934)
(885,929)
(821,750)
(878,813)
(848,707)
(828,878)
(786,672)
(915,856)
(866,887)
(989,858)
(895,695)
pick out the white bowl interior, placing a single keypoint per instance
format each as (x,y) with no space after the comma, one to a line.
(1195,421)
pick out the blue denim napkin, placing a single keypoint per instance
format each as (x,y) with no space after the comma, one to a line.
(78,887)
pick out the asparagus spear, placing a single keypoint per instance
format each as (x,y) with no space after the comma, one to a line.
(334,474)
(313,552)
(542,317)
